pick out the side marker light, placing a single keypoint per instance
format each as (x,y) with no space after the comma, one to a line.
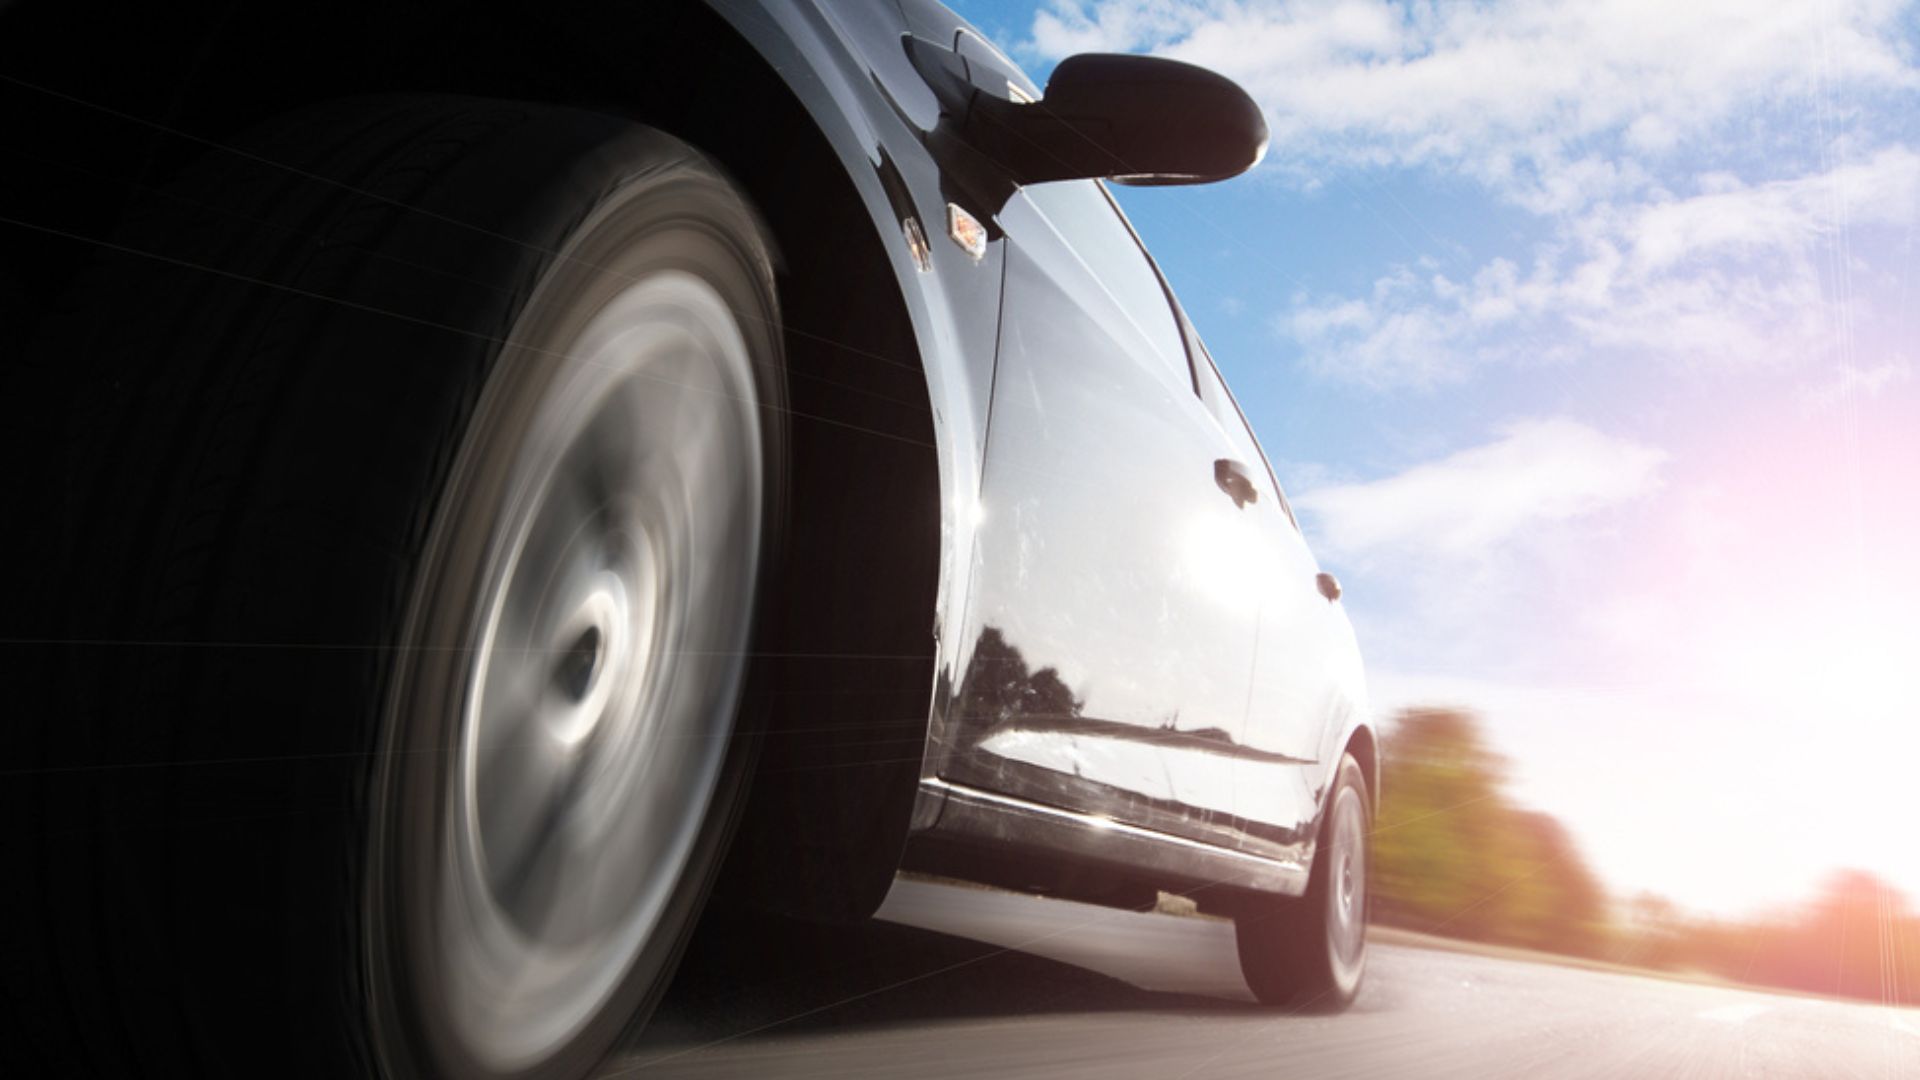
(967,231)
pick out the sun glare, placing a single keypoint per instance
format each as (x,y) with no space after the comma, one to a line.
(1854,665)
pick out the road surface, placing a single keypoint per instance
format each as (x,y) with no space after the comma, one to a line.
(968,983)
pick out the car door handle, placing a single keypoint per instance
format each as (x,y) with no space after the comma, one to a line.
(1233,479)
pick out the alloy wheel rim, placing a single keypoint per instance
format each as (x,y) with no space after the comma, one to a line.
(1347,898)
(607,657)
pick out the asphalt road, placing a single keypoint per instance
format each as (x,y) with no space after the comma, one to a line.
(962,982)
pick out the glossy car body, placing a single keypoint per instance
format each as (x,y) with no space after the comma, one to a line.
(1133,668)
(1131,671)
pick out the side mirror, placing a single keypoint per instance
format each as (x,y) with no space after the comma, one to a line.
(1135,119)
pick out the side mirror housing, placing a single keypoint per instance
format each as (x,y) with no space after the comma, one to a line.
(1134,119)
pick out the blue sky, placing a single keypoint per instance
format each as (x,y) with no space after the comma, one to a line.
(1583,335)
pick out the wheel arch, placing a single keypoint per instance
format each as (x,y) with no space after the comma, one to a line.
(830,812)
(1365,748)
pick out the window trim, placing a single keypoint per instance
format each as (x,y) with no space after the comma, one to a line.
(1197,353)
(1180,323)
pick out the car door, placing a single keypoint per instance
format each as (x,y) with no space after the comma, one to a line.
(1112,635)
(1295,697)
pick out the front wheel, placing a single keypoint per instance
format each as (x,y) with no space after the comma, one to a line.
(1311,952)
(578,641)
(436,451)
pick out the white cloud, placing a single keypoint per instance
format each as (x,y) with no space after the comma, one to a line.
(1550,102)
(1782,215)
(1687,162)
(1731,274)
(1066,29)
(1851,382)
(1469,503)
(1684,164)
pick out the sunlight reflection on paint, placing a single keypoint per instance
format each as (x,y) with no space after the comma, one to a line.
(1228,561)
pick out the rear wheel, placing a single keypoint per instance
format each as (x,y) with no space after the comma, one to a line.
(1311,952)
(433,472)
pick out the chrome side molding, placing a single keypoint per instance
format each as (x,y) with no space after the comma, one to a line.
(959,812)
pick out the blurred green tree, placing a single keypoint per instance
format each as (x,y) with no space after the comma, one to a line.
(1454,855)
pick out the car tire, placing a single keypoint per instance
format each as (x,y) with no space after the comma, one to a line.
(425,459)
(1311,952)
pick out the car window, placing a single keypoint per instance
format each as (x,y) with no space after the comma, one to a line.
(1083,214)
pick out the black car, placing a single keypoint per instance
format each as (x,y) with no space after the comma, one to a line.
(498,480)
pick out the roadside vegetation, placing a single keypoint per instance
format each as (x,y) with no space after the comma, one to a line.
(1457,856)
